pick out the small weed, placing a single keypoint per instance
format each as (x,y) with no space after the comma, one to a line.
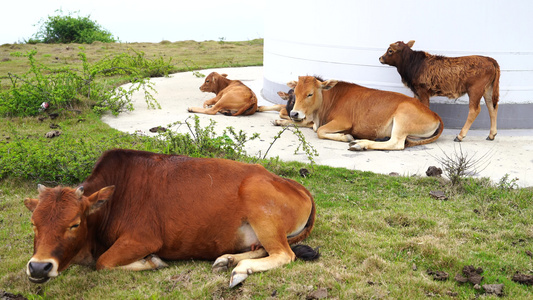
(198,74)
(459,164)
(309,150)
(506,183)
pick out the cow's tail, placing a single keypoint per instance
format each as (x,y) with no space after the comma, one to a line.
(496,85)
(303,251)
(409,141)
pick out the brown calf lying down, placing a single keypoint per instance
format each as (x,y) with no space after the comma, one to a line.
(346,112)
(233,98)
(137,207)
(434,75)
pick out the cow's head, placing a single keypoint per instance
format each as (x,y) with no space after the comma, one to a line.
(59,222)
(308,97)
(212,83)
(289,97)
(393,55)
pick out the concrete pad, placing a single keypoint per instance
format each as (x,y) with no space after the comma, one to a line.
(510,153)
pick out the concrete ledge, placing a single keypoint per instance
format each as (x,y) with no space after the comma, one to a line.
(510,116)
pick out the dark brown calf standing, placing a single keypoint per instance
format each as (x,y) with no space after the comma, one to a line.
(434,75)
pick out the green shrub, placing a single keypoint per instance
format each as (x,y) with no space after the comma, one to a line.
(65,88)
(69,29)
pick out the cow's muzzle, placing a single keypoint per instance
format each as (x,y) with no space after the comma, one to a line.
(39,271)
(296,115)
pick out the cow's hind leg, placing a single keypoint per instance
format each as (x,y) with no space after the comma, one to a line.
(395,142)
(493,114)
(276,209)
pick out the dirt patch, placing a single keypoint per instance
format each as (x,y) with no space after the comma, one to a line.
(438,275)
(8,296)
(470,274)
(523,278)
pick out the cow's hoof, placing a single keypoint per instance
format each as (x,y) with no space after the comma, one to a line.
(237,278)
(349,138)
(156,262)
(457,139)
(222,263)
(276,123)
(189,109)
(355,147)
(491,139)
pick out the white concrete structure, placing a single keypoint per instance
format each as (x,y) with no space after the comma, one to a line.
(343,40)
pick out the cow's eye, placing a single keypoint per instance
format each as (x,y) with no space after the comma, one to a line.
(310,95)
(74,226)
(390,51)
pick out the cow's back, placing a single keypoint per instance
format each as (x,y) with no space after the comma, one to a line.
(368,110)
(163,197)
(453,76)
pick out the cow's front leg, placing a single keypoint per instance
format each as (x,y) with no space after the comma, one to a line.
(130,255)
(227,261)
(334,130)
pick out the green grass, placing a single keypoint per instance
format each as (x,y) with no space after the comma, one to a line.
(371,229)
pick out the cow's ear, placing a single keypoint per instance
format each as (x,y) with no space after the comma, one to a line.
(283,95)
(31,204)
(328,84)
(411,43)
(292,84)
(224,75)
(98,199)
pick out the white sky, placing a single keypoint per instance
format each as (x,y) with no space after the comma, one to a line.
(142,21)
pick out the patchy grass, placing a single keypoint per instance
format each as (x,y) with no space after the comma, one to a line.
(185,55)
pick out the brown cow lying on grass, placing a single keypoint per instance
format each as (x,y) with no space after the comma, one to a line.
(233,98)
(434,75)
(345,111)
(138,206)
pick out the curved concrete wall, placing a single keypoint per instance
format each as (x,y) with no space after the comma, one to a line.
(343,39)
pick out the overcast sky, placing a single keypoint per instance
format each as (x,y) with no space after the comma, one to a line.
(142,21)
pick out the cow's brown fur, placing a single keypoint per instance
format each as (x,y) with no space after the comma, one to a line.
(343,111)
(434,75)
(139,206)
(233,98)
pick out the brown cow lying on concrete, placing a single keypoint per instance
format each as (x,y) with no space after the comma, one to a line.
(345,111)
(434,75)
(233,98)
(138,206)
